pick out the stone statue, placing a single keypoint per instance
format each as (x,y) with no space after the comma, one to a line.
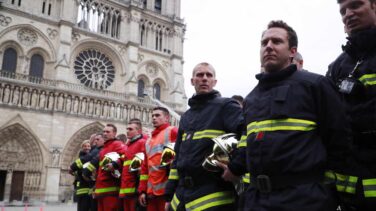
(34,98)
(42,100)
(16,95)
(6,94)
(25,97)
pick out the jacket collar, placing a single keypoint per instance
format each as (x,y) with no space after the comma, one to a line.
(159,129)
(197,99)
(276,76)
(361,43)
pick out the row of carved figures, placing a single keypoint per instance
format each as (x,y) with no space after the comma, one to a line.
(50,100)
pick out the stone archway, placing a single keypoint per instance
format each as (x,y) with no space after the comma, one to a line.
(70,153)
(22,158)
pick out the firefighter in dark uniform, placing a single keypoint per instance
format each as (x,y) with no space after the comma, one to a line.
(354,73)
(296,130)
(209,116)
(78,164)
(82,186)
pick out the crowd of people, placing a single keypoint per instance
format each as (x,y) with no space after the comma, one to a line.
(305,141)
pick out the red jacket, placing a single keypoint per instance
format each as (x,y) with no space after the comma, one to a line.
(153,179)
(129,179)
(106,184)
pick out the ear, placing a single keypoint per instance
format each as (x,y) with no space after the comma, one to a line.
(215,82)
(192,82)
(293,51)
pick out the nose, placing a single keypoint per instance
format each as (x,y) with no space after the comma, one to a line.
(348,13)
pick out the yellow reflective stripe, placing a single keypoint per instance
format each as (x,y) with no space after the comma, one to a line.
(247,178)
(91,167)
(127,162)
(368,79)
(175,202)
(144,177)
(173,174)
(127,190)
(344,183)
(82,191)
(211,200)
(369,186)
(184,137)
(280,124)
(101,163)
(79,163)
(105,190)
(242,142)
(207,134)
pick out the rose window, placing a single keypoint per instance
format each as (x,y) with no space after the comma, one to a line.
(94,69)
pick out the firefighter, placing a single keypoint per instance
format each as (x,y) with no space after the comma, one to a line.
(354,73)
(107,185)
(77,166)
(154,177)
(296,130)
(82,186)
(209,116)
(129,178)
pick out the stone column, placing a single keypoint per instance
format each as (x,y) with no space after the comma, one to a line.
(53,176)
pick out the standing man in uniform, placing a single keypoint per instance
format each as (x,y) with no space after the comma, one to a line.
(209,116)
(107,186)
(153,177)
(129,179)
(354,73)
(296,130)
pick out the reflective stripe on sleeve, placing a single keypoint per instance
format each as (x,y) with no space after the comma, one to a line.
(82,191)
(211,200)
(280,124)
(369,186)
(368,79)
(175,202)
(247,178)
(173,174)
(242,142)
(127,162)
(127,190)
(344,183)
(106,190)
(144,177)
(204,134)
(79,163)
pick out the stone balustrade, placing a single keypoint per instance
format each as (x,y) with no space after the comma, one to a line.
(44,95)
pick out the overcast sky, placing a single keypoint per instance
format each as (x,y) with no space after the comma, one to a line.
(226,33)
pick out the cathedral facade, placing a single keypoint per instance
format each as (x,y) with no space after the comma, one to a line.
(68,67)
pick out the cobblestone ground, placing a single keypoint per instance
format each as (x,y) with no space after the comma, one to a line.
(47,207)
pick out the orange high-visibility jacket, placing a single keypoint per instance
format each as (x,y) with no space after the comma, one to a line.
(153,179)
(129,179)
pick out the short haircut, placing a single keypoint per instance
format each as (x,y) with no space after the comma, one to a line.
(163,109)
(136,122)
(85,142)
(122,137)
(114,128)
(238,98)
(291,34)
(298,57)
(205,64)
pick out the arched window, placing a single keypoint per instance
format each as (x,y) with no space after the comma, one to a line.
(10,60)
(36,66)
(157,91)
(140,88)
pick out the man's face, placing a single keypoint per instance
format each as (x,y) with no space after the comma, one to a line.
(108,133)
(275,53)
(159,118)
(357,14)
(132,130)
(100,141)
(203,80)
